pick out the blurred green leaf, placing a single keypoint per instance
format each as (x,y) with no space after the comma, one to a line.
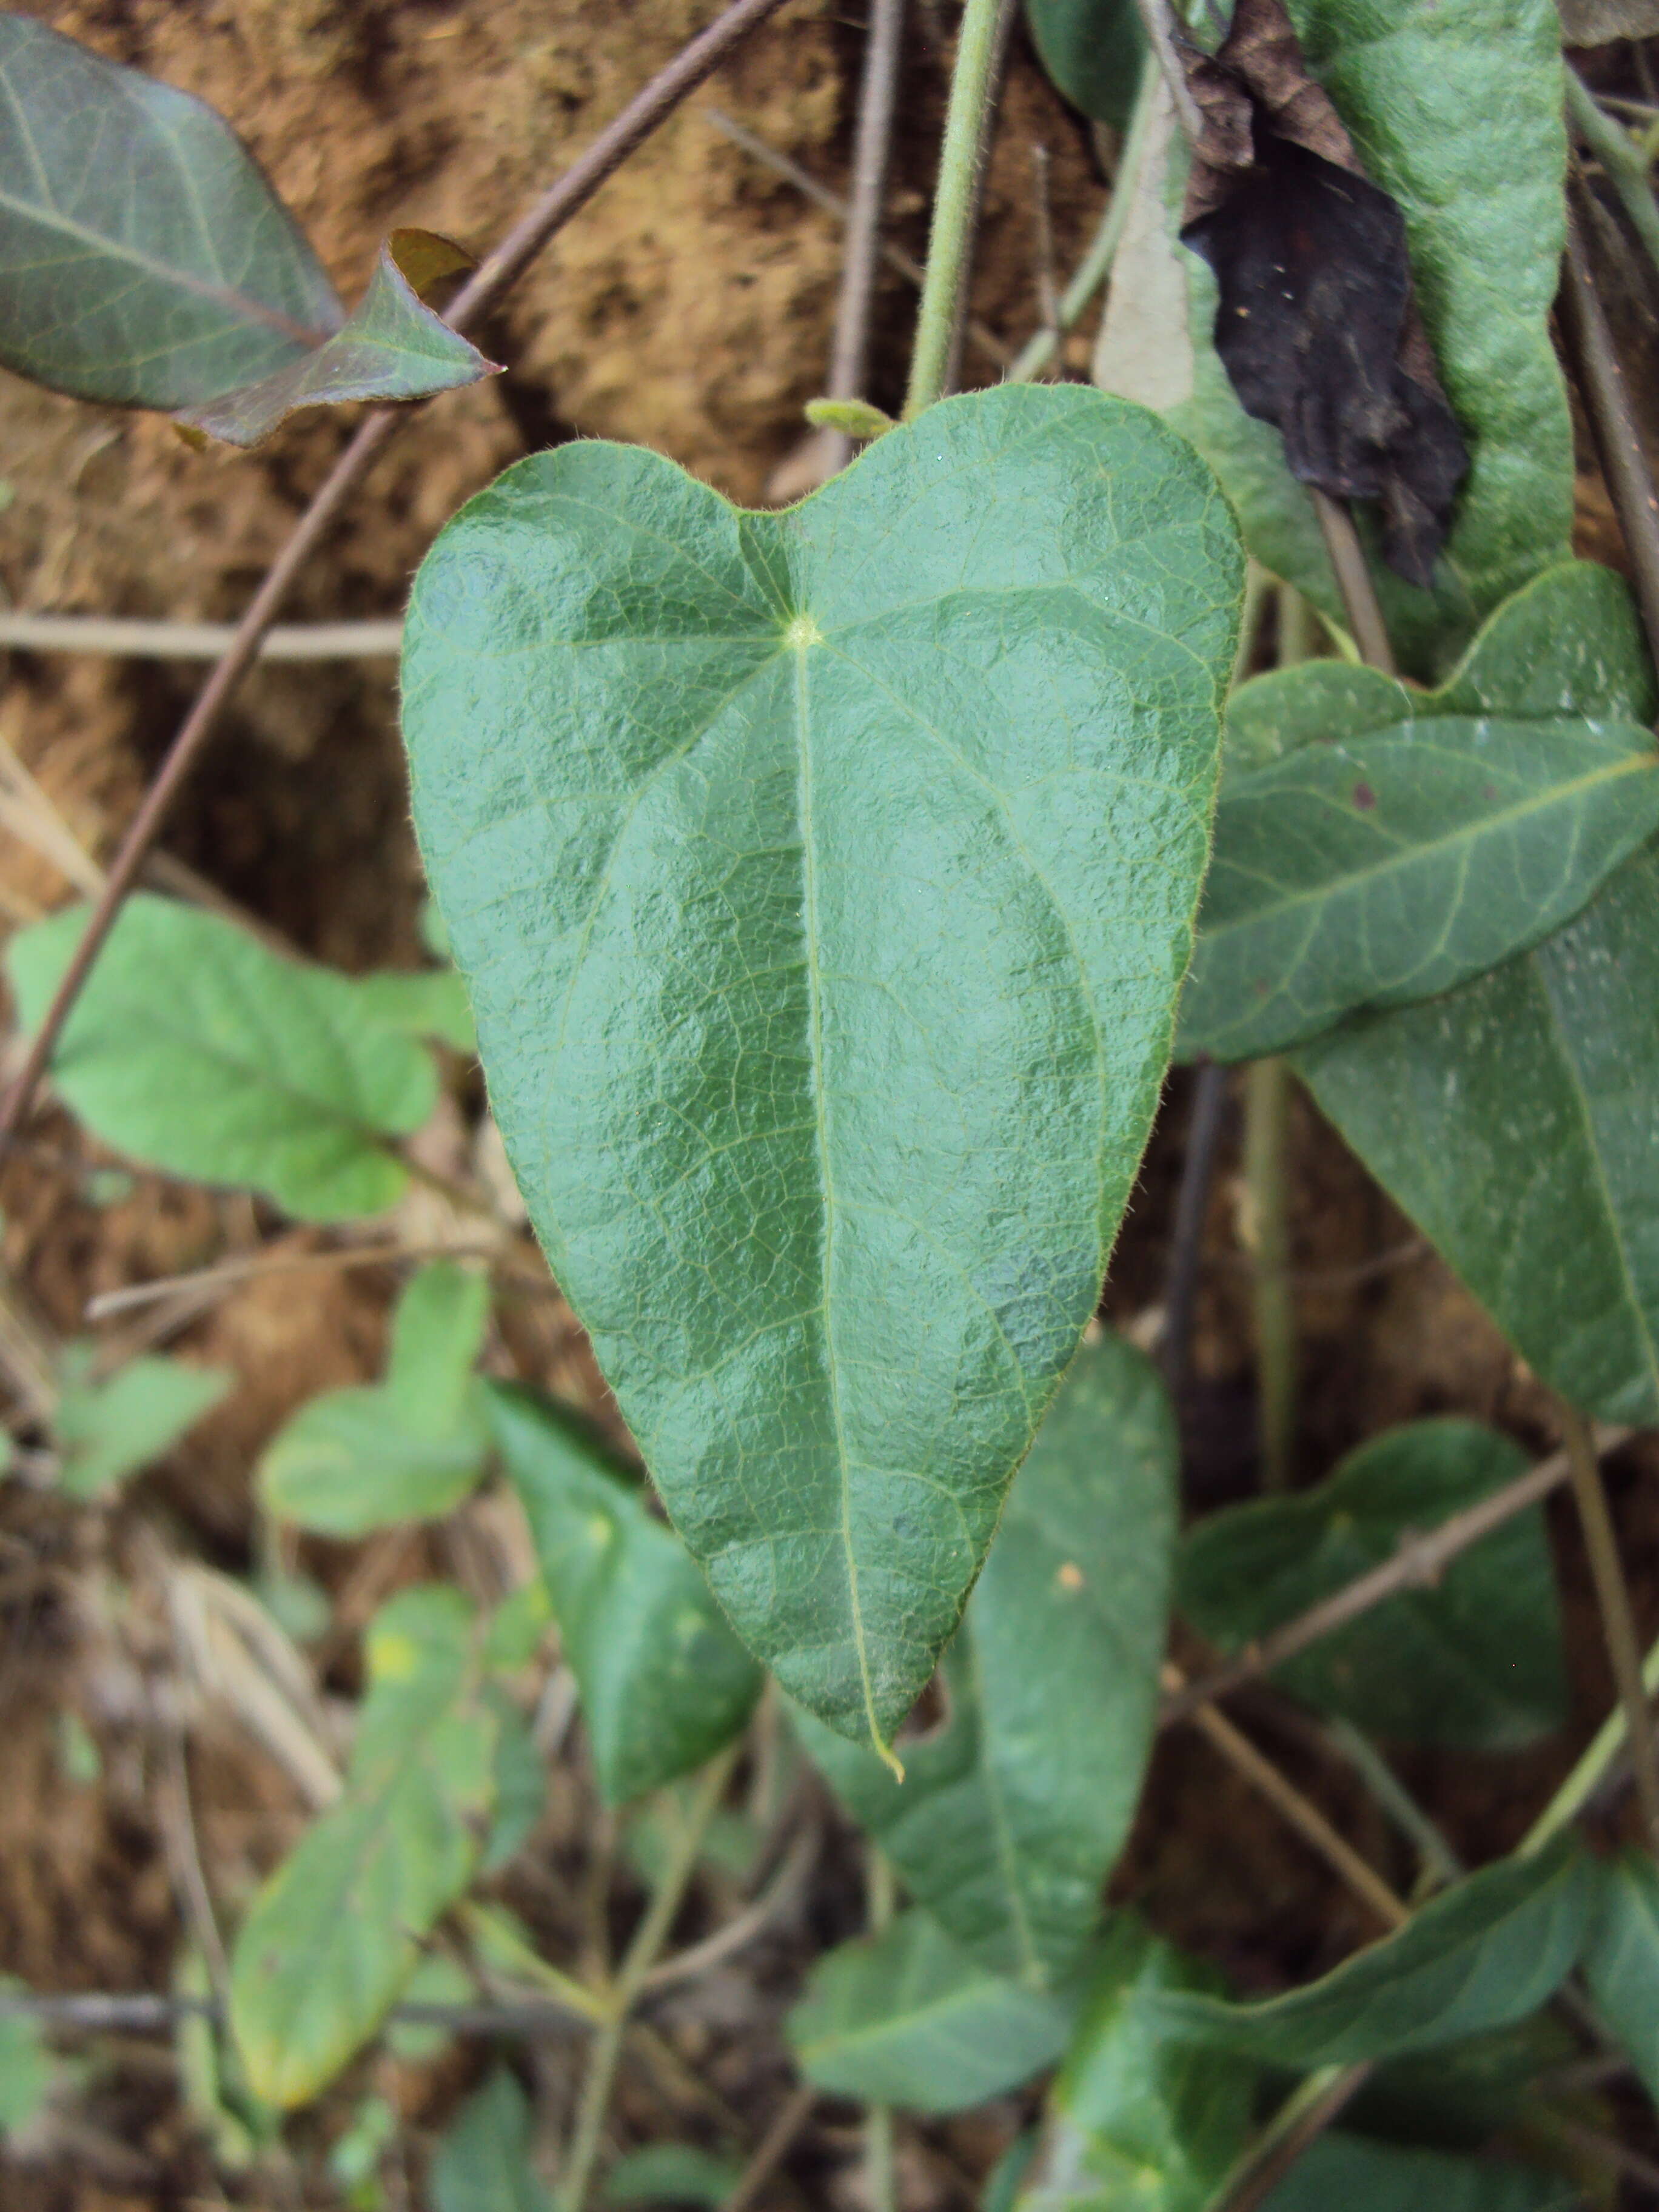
(1478,1956)
(664,1683)
(1093,50)
(26,2064)
(438,1979)
(1475,1658)
(520,1784)
(391,346)
(407,1449)
(1459,2096)
(1139,2121)
(1621,1962)
(198,1050)
(1346,2173)
(107,1428)
(482,2164)
(336,1933)
(429,1002)
(671,2173)
(1012,1814)
(143,258)
(907,2018)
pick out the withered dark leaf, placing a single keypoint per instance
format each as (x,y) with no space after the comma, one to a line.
(1317,324)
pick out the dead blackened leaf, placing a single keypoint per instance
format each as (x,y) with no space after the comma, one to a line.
(1317,324)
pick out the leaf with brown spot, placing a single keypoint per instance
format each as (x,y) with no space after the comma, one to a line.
(1316,326)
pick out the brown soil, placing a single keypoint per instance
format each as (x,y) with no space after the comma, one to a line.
(688,309)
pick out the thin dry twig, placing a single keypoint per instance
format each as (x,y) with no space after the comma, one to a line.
(499,269)
(141,640)
(1192,1208)
(1417,1565)
(773,2148)
(849,355)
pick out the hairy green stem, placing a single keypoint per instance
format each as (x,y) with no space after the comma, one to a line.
(637,1962)
(973,86)
(1096,263)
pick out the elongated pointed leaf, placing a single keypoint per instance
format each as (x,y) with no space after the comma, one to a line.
(1479,1956)
(106,1428)
(664,1683)
(906,2017)
(1358,2176)
(1517,1122)
(1138,2117)
(393,346)
(1621,1962)
(196,1049)
(437,1333)
(1011,1816)
(1093,50)
(144,259)
(1375,871)
(337,1931)
(1474,1659)
(823,880)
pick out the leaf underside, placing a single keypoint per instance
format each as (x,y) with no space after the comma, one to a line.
(823,881)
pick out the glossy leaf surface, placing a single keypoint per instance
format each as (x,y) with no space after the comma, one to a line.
(1359,2176)
(1479,1956)
(335,1932)
(1093,51)
(823,881)
(410,1448)
(1621,1963)
(196,1049)
(663,1682)
(906,2017)
(1474,1659)
(1012,1814)
(1137,2117)
(143,258)
(108,1427)
(391,346)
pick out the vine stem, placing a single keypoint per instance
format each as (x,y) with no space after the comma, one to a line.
(973,94)
(1613,1601)
(1599,1754)
(1619,155)
(879,2172)
(1304,2115)
(637,1962)
(1273,1308)
(495,274)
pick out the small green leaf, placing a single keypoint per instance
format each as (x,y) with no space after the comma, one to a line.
(108,1428)
(671,2173)
(1376,870)
(144,259)
(520,1786)
(1137,2118)
(26,2064)
(1358,2176)
(824,880)
(335,1933)
(428,1002)
(196,1049)
(1093,50)
(1479,1956)
(393,346)
(482,2164)
(1474,1659)
(855,418)
(1621,1961)
(409,1448)
(1011,1816)
(906,2017)
(664,1684)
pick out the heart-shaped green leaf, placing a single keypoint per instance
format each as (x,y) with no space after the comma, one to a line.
(1474,1659)
(1479,1956)
(664,1683)
(908,2018)
(144,259)
(823,881)
(391,346)
(1011,1816)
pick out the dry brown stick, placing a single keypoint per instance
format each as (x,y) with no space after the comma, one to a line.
(1302,1814)
(849,355)
(1418,1563)
(1354,581)
(1613,1603)
(773,2148)
(1601,382)
(1300,2122)
(489,280)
